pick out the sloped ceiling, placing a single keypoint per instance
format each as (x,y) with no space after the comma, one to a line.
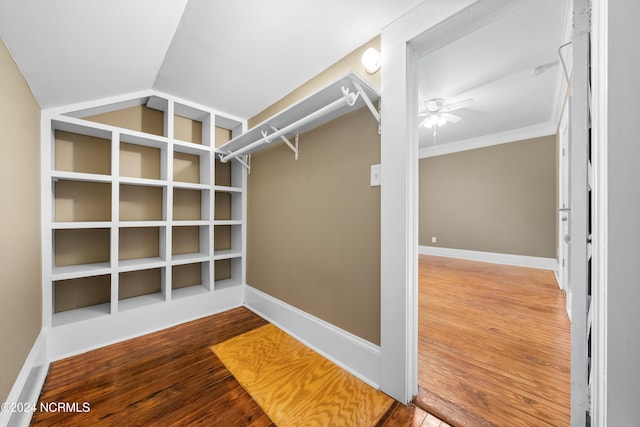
(234,56)
(78,50)
(494,65)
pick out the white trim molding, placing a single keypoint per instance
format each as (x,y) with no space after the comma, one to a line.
(492,257)
(79,337)
(600,63)
(529,132)
(352,353)
(26,389)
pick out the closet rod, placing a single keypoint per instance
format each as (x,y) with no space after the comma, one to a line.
(349,98)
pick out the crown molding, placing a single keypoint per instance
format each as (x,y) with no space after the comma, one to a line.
(534,131)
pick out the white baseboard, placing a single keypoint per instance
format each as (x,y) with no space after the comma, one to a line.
(556,274)
(352,353)
(79,337)
(495,258)
(26,389)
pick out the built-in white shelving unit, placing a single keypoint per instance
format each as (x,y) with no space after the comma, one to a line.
(144,206)
(138,213)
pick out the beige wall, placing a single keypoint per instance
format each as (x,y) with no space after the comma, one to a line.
(20,259)
(350,62)
(496,199)
(313,224)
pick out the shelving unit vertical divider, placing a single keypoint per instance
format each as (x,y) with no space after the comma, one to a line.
(243,232)
(209,130)
(168,202)
(115,220)
(46,221)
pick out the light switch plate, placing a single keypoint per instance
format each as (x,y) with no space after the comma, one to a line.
(375,175)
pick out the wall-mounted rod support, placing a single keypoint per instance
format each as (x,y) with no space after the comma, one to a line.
(265,137)
(294,148)
(367,101)
(246,164)
(349,98)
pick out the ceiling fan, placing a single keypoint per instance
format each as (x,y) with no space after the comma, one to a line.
(438,113)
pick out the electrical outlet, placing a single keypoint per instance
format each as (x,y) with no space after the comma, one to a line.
(433,239)
(375,175)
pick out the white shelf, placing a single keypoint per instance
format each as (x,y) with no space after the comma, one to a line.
(190,186)
(189,291)
(84,224)
(80,314)
(126,224)
(139,301)
(78,176)
(191,148)
(144,139)
(226,284)
(190,222)
(193,258)
(82,270)
(83,127)
(305,108)
(225,189)
(227,254)
(142,181)
(141,264)
(227,222)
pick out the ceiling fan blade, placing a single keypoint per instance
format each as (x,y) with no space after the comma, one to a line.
(452,118)
(457,105)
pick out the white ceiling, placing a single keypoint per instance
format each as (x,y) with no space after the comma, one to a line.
(234,56)
(493,65)
(239,57)
(77,50)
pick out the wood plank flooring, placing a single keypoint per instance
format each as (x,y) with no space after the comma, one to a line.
(170,378)
(494,345)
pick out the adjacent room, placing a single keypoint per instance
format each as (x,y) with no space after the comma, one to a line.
(293,213)
(492,319)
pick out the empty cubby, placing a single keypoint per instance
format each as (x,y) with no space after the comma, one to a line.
(186,167)
(186,129)
(139,242)
(188,204)
(81,246)
(74,152)
(186,275)
(82,201)
(140,282)
(140,161)
(141,203)
(138,117)
(82,292)
(189,240)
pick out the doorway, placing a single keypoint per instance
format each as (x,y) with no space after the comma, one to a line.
(488,102)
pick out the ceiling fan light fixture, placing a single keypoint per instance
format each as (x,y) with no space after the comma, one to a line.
(435,120)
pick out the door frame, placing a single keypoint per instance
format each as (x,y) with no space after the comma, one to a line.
(399,214)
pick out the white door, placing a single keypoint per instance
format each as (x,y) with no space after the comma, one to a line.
(563,204)
(579,217)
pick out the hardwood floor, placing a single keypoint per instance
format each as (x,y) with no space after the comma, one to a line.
(494,344)
(170,377)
